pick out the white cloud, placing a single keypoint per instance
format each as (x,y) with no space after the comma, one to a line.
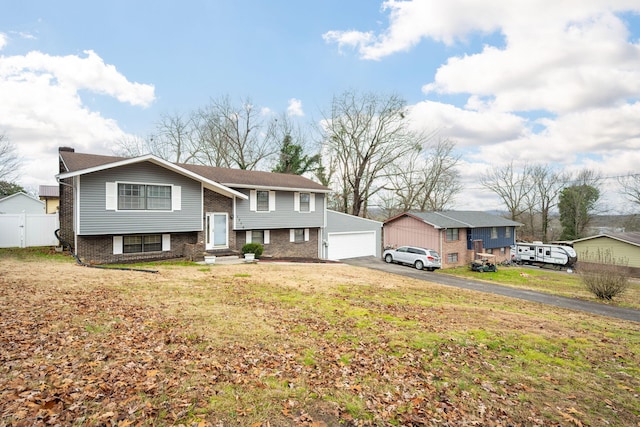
(568,67)
(295,108)
(3,40)
(354,39)
(42,109)
(557,83)
(467,128)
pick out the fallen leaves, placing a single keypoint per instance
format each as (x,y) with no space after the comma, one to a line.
(94,355)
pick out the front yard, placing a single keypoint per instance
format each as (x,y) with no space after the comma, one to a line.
(549,281)
(279,345)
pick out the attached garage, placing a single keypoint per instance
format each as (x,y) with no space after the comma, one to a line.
(348,236)
(351,245)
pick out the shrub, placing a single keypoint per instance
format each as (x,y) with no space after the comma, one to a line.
(253,248)
(603,275)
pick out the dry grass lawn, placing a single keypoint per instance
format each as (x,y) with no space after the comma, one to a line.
(310,344)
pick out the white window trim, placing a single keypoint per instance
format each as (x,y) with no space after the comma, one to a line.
(253,201)
(296,201)
(266,236)
(118,244)
(111,199)
(292,235)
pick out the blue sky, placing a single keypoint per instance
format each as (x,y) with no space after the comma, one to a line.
(555,83)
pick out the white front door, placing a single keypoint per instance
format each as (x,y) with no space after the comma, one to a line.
(217,230)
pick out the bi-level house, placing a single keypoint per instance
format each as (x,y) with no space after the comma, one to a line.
(457,235)
(115,209)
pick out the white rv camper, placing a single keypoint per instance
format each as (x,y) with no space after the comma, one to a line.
(539,253)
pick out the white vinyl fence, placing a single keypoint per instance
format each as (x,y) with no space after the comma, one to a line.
(24,230)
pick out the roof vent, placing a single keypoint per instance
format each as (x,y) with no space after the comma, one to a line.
(69,149)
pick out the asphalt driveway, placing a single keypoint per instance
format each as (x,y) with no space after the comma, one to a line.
(540,297)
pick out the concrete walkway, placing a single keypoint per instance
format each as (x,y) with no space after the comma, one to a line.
(540,297)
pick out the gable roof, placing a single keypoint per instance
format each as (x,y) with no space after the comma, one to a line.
(85,162)
(632,238)
(81,163)
(458,219)
(240,178)
(21,194)
(21,202)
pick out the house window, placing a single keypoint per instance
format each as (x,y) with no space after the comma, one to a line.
(257,236)
(144,197)
(452,234)
(494,233)
(507,232)
(305,202)
(451,258)
(298,235)
(262,203)
(502,251)
(489,251)
(135,244)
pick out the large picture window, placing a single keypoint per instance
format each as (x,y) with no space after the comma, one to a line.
(144,197)
(136,244)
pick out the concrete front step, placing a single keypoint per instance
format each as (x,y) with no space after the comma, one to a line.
(223,259)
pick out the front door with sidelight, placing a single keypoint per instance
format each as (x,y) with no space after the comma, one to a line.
(217,230)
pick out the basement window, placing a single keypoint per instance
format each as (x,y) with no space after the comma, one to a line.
(136,244)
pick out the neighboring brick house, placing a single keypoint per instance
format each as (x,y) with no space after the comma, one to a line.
(117,209)
(456,235)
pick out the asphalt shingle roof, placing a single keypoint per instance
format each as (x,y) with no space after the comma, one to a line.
(229,177)
(463,219)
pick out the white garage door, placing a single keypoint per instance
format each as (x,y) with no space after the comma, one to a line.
(351,245)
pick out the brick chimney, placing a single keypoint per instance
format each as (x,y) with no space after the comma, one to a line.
(65,210)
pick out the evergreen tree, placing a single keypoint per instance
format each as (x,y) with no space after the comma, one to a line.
(576,206)
(293,160)
(9,188)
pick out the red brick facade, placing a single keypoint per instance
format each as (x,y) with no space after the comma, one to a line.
(279,245)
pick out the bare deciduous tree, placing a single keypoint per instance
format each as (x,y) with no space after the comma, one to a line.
(630,187)
(234,135)
(366,133)
(9,159)
(426,180)
(548,185)
(131,146)
(512,187)
(175,139)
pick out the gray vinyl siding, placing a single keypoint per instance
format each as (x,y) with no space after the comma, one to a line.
(283,217)
(94,219)
(338,222)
